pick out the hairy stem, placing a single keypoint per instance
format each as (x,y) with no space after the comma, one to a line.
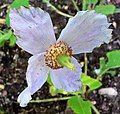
(85,71)
(86,61)
(75,5)
(84,5)
(99,77)
(50,100)
(95,109)
(57,11)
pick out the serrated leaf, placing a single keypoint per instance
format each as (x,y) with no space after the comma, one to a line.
(91,1)
(18,3)
(90,82)
(79,106)
(105,9)
(113,61)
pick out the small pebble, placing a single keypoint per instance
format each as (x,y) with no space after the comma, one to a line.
(114,24)
(108,91)
(2,86)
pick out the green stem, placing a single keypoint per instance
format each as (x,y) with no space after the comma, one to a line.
(101,74)
(117,10)
(75,5)
(58,11)
(86,61)
(2,31)
(85,71)
(95,109)
(50,100)
(84,5)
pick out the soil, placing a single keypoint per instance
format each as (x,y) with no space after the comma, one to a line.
(13,64)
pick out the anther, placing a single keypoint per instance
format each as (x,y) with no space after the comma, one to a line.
(60,48)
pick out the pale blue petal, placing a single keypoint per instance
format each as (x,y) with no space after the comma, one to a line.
(85,31)
(67,79)
(37,72)
(24,97)
(33,28)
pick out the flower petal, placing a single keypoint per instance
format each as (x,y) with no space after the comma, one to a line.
(34,29)
(24,98)
(85,31)
(67,79)
(37,73)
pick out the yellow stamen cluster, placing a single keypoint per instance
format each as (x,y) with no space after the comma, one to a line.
(60,48)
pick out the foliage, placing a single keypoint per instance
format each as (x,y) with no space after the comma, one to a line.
(90,82)
(19,3)
(79,106)
(7,36)
(91,1)
(105,9)
(112,62)
(101,7)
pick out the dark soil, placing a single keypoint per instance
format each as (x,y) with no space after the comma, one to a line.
(13,64)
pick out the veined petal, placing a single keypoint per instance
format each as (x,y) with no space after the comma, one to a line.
(67,79)
(85,31)
(33,28)
(37,73)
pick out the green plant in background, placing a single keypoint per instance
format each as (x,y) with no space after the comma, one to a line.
(77,101)
(7,36)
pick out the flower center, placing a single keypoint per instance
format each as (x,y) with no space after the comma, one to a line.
(54,51)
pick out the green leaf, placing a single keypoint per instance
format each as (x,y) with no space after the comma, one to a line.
(4,37)
(7,19)
(79,106)
(91,1)
(105,9)
(102,62)
(12,40)
(113,61)
(90,82)
(18,3)
(111,72)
